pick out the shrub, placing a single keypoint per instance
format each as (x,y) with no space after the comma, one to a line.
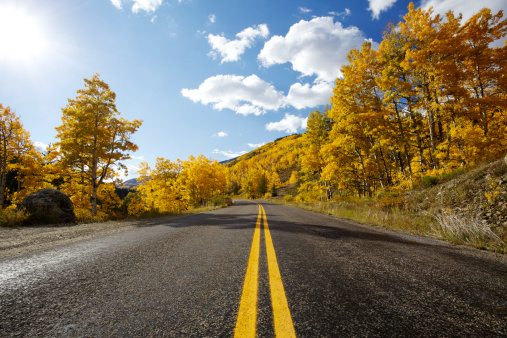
(221,201)
(12,217)
(428,181)
(288,198)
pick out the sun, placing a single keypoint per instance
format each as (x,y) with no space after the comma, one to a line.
(21,36)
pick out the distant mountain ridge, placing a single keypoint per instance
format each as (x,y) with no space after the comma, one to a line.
(130,184)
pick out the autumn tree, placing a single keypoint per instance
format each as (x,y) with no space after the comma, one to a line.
(316,136)
(160,190)
(429,100)
(202,179)
(93,139)
(17,154)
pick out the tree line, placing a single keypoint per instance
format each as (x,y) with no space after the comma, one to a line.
(429,100)
(86,160)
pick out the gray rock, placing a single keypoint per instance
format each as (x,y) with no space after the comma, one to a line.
(49,206)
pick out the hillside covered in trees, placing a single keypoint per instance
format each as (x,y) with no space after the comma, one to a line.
(430,100)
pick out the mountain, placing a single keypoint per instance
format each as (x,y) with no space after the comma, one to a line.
(129,184)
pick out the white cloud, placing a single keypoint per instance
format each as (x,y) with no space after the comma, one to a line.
(467,8)
(289,124)
(228,153)
(40,147)
(116,3)
(317,47)
(304,10)
(139,158)
(221,134)
(377,6)
(306,96)
(341,14)
(146,5)
(244,95)
(131,172)
(153,19)
(256,145)
(212,18)
(231,50)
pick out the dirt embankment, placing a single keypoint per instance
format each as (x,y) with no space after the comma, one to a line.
(481,191)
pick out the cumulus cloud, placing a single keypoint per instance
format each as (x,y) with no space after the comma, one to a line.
(317,47)
(306,96)
(145,5)
(304,10)
(377,6)
(228,153)
(231,50)
(244,95)
(256,145)
(220,134)
(289,124)
(116,3)
(212,18)
(467,8)
(40,147)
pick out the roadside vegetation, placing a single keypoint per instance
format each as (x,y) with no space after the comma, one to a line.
(468,206)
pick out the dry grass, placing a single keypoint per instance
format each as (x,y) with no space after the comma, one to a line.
(368,212)
(468,229)
(445,224)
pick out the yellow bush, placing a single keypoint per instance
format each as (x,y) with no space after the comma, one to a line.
(11,217)
(288,198)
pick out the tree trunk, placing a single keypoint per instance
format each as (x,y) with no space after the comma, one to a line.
(4,173)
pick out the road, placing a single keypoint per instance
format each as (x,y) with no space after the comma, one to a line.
(189,277)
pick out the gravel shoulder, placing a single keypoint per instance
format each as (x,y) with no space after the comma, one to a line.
(20,240)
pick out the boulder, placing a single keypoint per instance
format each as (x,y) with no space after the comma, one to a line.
(48,206)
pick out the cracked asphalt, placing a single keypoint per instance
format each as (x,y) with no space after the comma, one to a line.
(183,277)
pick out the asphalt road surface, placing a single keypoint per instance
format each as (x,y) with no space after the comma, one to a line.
(292,272)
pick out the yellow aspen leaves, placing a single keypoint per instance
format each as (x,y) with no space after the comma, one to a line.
(93,139)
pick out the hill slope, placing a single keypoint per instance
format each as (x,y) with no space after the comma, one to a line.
(472,199)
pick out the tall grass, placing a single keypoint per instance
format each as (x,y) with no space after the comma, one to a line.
(468,229)
(444,224)
(368,211)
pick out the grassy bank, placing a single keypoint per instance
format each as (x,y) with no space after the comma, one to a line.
(443,224)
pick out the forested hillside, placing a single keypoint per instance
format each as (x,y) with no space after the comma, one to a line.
(429,100)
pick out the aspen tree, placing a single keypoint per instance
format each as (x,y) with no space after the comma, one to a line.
(93,139)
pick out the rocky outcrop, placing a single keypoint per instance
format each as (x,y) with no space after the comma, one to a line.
(48,206)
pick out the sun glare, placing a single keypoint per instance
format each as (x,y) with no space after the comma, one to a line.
(21,36)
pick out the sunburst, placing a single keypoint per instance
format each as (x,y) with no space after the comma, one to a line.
(22,38)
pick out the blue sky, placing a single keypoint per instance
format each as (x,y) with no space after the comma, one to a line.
(217,78)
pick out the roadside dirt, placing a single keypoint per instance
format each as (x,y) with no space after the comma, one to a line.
(19,240)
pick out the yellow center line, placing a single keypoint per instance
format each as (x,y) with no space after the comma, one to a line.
(247,315)
(282,318)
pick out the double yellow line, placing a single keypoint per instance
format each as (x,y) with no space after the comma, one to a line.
(247,315)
